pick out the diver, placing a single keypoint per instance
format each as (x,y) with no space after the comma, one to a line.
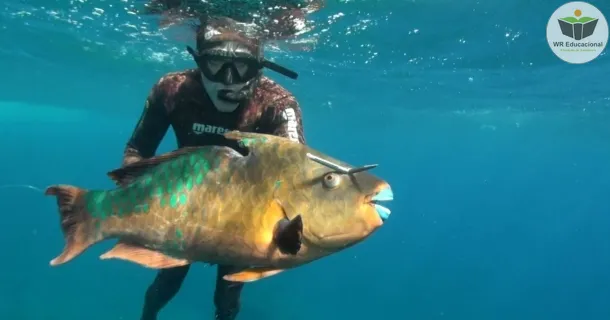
(226,91)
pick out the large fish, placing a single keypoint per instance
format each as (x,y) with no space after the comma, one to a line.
(281,206)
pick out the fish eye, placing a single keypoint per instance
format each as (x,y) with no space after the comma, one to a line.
(331,180)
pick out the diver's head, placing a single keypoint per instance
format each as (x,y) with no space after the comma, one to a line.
(230,58)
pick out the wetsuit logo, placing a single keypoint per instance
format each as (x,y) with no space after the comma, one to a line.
(291,124)
(201,128)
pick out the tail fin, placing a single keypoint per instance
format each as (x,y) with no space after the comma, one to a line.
(74,221)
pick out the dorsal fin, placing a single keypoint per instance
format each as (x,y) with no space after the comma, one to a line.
(125,175)
(250,140)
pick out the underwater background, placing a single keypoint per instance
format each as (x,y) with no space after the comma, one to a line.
(497,151)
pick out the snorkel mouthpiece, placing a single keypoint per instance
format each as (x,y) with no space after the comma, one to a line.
(233,96)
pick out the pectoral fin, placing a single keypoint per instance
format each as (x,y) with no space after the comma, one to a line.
(250,275)
(142,256)
(288,235)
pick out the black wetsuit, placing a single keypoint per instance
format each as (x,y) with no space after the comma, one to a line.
(179,100)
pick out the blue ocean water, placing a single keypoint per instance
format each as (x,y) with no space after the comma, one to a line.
(497,151)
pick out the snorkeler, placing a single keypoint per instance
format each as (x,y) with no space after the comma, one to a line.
(227,91)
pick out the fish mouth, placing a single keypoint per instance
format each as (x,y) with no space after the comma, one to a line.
(384,194)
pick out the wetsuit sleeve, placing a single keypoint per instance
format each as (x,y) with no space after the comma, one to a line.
(152,126)
(286,120)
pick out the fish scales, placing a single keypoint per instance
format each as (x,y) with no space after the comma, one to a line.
(186,204)
(163,205)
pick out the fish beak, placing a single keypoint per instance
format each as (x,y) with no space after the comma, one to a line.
(384,194)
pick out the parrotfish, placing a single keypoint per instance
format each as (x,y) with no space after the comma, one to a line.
(280,206)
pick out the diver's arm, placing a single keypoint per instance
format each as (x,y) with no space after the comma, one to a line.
(152,126)
(286,120)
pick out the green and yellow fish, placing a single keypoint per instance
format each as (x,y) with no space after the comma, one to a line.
(281,206)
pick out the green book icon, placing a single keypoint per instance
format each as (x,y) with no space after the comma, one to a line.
(577,28)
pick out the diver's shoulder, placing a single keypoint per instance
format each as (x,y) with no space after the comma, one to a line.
(171,82)
(268,83)
(271,93)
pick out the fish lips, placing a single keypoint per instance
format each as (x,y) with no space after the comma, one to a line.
(385,194)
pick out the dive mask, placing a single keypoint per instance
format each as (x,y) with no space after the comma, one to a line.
(231,67)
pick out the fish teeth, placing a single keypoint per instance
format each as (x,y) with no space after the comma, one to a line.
(383,212)
(384,195)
